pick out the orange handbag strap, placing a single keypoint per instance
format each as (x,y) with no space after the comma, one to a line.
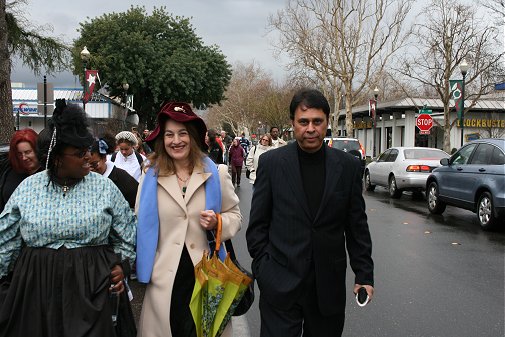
(219,230)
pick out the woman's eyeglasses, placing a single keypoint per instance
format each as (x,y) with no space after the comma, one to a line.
(265,140)
(79,154)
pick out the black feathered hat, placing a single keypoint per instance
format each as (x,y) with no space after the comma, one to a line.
(71,124)
(67,127)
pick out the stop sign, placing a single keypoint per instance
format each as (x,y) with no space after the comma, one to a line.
(424,122)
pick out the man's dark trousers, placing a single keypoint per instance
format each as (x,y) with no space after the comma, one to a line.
(303,316)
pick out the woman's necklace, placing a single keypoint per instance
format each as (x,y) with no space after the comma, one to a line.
(67,184)
(65,188)
(184,183)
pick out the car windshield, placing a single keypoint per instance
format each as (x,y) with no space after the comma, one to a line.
(424,154)
(345,145)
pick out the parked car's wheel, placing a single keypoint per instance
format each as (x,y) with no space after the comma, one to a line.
(394,192)
(435,205)
(485,211)
(368,183)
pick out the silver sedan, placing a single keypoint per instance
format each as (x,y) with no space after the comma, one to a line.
(402,168)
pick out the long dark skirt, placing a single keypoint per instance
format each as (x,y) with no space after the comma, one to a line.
(181,319)
(59,293)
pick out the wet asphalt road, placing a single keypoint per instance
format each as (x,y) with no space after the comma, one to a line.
(434,275)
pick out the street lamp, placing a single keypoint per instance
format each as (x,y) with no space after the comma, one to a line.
(131,116)
(375,95)
(85,54)
(125,86)
(463,67)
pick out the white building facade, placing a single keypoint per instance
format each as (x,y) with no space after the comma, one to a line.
(30,114)
(396,124)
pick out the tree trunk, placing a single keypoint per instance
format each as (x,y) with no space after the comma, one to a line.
(447,128)
(348,113)
(336,112)
(6,117)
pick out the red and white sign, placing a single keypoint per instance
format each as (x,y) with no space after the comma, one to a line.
(91,76)
(24,109)
(424,123)
(372,104)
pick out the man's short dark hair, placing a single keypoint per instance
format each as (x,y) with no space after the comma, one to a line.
(274,127)
(309,98)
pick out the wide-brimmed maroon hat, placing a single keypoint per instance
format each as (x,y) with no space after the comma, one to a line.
(182,113)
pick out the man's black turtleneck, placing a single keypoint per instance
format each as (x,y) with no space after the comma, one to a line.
(312,167)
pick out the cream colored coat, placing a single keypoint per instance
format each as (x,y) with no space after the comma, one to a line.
(179,224)
(253,159)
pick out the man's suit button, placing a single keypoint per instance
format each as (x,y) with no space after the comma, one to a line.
(313,230)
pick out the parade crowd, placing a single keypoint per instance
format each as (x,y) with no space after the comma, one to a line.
(82,215)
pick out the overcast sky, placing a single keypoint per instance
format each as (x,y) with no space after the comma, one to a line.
(238,27)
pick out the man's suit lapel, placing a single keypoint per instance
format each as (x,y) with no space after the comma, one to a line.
(333,169)
(291,168)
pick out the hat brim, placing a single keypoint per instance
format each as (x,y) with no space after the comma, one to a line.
(163,117)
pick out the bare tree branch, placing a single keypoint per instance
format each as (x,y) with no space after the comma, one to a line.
(345,44)
(252,97)
(450,32)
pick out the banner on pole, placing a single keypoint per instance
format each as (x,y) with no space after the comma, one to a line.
(456,87)
(89,84)
(371,108)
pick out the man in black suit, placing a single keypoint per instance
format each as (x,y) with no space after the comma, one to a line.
(307,208)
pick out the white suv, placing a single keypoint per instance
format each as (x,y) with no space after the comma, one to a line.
(351,145)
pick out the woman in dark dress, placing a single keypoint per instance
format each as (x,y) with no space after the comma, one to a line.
(63,235)
(22,162)
(215,150)
(236,161)
(99,164)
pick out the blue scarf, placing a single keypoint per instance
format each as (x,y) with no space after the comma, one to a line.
(149,222)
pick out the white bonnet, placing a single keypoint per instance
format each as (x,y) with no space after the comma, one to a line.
(127,135)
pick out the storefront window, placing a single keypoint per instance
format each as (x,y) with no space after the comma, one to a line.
(389,137)
(421,140)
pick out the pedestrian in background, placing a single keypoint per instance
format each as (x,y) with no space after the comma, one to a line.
(98,162)
(307,209)
(226,140)
(276,140)
(63,234)
(245,143)
(126,157)
(215,150)
(22,163)
(141,146)
(236,159)
(145,134)
(252,160)
(174,189)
